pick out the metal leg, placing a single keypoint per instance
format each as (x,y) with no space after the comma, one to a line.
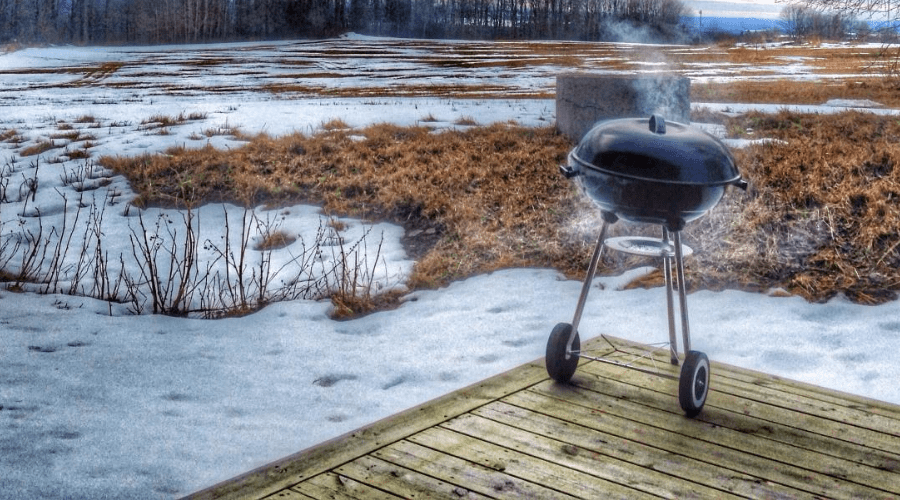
(682,294)
(670,307)
(586,287)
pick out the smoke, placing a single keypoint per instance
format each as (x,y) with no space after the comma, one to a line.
(657,92)
(665,95)
(583,228)
(626,32)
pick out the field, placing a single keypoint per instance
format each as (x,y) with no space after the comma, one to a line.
(488,193)
(432,166)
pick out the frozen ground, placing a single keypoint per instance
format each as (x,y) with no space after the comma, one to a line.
(98,403)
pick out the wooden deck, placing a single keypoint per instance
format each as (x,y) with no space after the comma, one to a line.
(614,432)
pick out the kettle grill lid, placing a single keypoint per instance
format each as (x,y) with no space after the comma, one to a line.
(656,150)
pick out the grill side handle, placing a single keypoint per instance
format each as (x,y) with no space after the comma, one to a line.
(571,169)
(568,171)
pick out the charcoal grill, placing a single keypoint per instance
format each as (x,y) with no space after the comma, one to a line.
(654,172)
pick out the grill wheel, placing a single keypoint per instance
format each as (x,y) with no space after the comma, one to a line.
(693,385)
(559,368)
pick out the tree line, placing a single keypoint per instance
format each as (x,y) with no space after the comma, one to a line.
(863,18)
(192,21)
(801,22)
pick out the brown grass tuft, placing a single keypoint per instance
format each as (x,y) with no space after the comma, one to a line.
(10,135)
(77,154)
(38,148)
(335,124)
(163,121)
(275,240)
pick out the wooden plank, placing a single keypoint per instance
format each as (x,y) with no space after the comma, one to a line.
(850,419)
(292,469)
(582,447)
(533,469)
(867,406)
(333,486)
(828,436)
(589,473)
(401,481)
(287,495)
(532,480)
(706,440)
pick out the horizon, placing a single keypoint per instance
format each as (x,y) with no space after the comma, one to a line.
(730,24)
(757,9)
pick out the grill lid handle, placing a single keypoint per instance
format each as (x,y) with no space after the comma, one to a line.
(657,124)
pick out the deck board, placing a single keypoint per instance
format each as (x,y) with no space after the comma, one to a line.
(613,432)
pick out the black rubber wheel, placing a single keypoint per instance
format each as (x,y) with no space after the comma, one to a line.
(693,385)
(560,368)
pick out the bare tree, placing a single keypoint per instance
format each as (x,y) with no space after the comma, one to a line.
(885,12)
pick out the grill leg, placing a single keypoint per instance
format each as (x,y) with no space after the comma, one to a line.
(670,306)
(586,286)
(682,294)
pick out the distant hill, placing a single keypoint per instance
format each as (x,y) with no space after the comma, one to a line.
(730,24)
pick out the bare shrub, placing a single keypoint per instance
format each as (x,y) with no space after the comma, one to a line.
(324,268)
(168,269)
(165,274)
(352,288)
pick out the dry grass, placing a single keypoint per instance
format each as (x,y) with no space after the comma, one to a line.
(10,135)
(275,240)
(39,147)
(335,124)
(824,212)
(163,121)
(72,136)
(822,216)
(78,154)
(469,91)
(882,91)
(223,130)
(493,192)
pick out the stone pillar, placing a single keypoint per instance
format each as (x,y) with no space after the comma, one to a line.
(583,99)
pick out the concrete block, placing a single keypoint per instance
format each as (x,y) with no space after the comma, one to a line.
(583,99)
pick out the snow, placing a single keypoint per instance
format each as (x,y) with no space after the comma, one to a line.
(96,402)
